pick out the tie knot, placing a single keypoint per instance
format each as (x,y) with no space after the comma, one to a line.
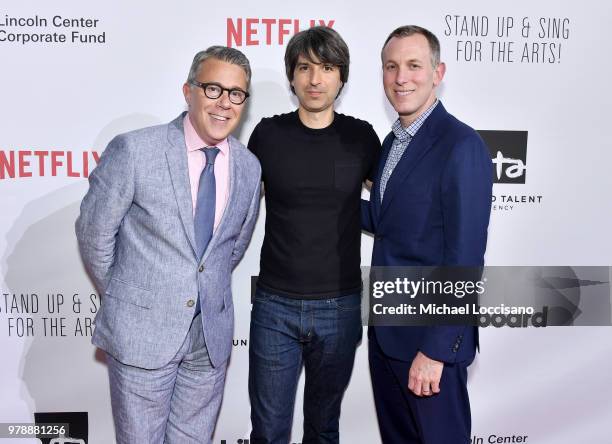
(211,153)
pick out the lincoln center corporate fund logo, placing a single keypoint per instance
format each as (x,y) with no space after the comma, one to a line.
(509,155)
(77,423)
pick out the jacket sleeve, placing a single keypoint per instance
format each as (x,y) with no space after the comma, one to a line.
(367,223)
(467,184)
(366,216)
(110,194)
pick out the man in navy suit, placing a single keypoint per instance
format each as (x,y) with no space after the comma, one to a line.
(429,206)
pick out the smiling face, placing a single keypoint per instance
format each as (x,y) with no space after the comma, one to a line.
(316,84)
(215,119)
(409,78)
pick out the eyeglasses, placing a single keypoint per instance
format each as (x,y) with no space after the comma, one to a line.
(214,91)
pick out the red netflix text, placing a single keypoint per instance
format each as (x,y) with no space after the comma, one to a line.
(42,163)
(266,31)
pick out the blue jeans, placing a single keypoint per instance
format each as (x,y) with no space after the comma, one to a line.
(285,334)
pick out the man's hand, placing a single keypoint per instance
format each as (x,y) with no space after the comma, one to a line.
(424,376)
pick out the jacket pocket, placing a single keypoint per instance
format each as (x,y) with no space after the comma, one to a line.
(129,293)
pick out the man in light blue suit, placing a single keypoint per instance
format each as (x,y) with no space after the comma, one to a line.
(429,206)
(168,215)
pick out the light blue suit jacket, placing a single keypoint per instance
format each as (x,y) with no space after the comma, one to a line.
(136,237)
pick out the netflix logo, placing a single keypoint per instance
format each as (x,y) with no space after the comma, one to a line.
(266,31)
(43,163)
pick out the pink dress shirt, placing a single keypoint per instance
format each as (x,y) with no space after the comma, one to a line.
(196,160)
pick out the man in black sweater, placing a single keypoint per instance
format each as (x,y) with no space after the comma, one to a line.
(307,304)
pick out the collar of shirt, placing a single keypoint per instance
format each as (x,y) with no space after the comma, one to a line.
(404,134)
(194,142)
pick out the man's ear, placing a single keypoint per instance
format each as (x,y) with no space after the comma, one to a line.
(187,93)
(439,72)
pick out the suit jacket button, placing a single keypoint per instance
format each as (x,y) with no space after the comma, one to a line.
(190,303)
(378,237)
(201,269)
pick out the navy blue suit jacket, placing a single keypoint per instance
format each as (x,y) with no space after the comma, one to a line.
(435,211)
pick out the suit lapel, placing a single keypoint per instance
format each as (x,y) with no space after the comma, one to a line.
(375,194)
(417,149)
(176,155)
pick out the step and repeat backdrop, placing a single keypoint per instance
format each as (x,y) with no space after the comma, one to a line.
(533,77)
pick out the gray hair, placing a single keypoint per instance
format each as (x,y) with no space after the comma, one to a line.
(223,53)
(407,31)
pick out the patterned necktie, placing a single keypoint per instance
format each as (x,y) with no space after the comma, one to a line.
(204,219)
